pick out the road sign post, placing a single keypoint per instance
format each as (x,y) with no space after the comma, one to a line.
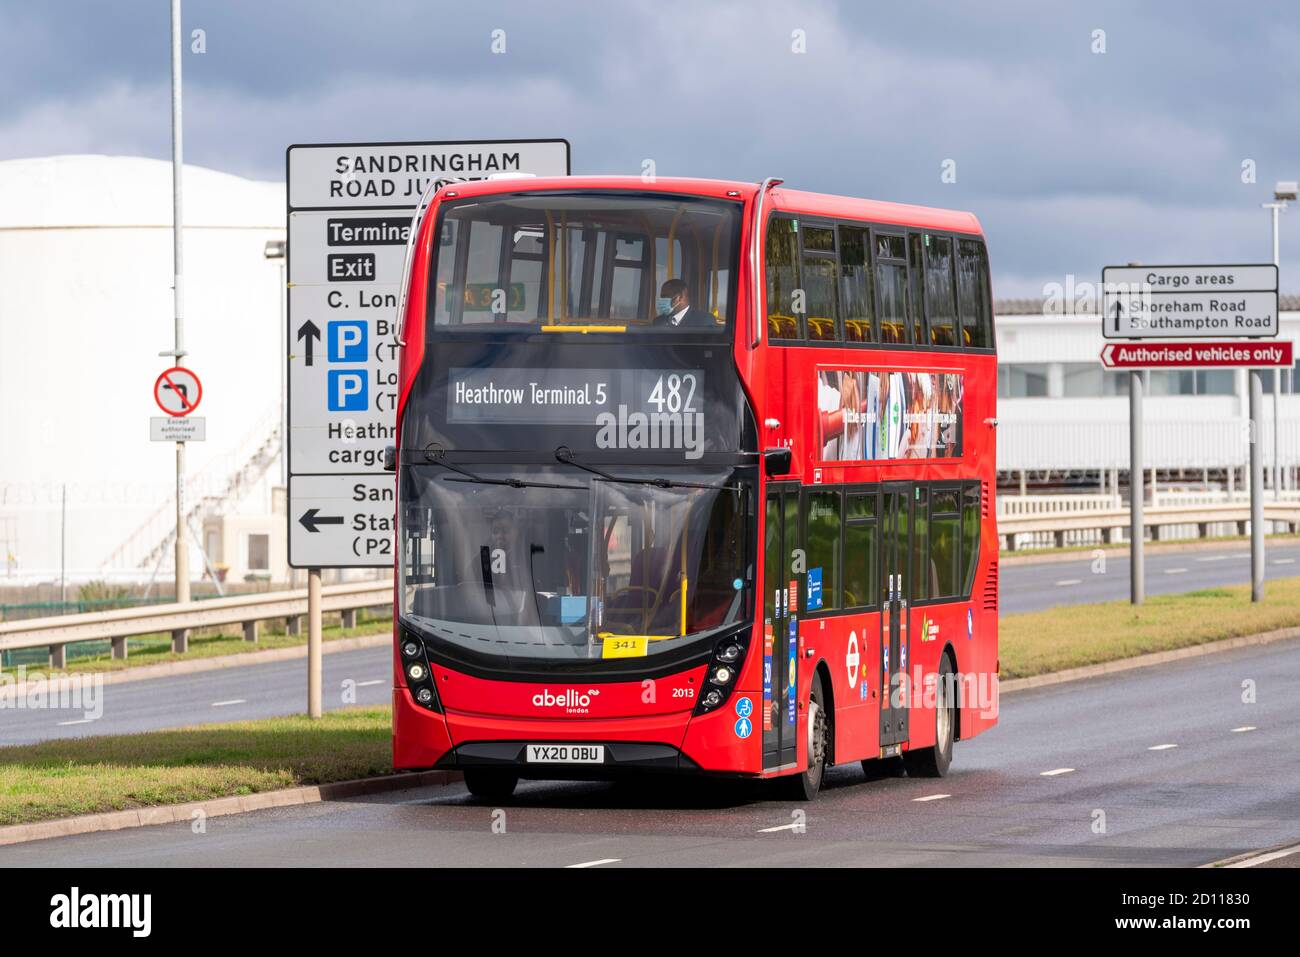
(1136,491)
(1198,303)
(349,208)
(1256,490)
(314,677)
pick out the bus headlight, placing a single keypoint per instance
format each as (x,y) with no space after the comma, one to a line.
(418,674)
(723,670)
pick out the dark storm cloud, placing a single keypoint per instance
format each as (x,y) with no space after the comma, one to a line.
(1071,158)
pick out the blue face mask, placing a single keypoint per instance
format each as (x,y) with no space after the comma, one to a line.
(664,304)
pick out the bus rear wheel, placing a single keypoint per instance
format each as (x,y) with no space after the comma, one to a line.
(934,762)
(490,784)
(805,785)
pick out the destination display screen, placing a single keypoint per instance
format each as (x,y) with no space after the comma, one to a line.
(680,401)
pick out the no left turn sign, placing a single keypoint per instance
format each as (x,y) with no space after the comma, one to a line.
(177,391)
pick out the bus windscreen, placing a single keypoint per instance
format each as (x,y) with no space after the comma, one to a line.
(565,566)
(629,263)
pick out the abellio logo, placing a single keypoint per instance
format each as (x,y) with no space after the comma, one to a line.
(571,700)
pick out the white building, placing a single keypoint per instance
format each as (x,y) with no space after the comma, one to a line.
(85,309)
(1063,417)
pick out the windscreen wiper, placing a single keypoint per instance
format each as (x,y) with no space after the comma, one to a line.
(438,457)
(567,456)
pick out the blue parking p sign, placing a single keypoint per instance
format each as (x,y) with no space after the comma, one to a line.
(348,391)
(347,341)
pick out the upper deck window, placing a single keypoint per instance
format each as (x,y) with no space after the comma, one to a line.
(624,263)
(940,306)
(973,294)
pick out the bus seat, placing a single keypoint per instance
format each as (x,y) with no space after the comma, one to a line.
(782,327)
(820,327)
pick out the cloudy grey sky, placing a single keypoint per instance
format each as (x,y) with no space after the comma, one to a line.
(1072,159)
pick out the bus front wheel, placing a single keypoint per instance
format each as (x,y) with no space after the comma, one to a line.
(490,784)
(933,762)
(805,785)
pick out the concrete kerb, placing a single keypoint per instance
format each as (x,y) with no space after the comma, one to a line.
(220,807)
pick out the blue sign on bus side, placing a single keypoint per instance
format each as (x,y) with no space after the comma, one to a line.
(348,391)
(814,588)
(792,709)
(347,341)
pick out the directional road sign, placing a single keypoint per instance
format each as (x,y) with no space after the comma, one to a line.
(349,208)
(341,520)
(1181,302)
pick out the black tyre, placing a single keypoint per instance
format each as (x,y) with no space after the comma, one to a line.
(804,786)
(933,762)
(490,784)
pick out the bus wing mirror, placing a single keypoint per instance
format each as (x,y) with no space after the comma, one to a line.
(390,458)
(777,462)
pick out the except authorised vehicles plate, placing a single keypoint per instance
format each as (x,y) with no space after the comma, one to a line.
(566,754)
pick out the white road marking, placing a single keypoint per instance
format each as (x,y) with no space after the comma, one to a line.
(933,797)
(367,684)
(1284,561)
(64,724)
(222,704)
(1054,772)
(1265,858)
(784,827)
(1174,571)
(1244,727)
(1161,747)
(1215,558)
(603,860)
(1069,581)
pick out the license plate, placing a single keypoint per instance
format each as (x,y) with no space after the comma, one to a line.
(566,754)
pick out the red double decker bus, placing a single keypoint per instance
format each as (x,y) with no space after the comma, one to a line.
(693,476)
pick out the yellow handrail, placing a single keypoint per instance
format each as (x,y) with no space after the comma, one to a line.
(577,327)
(685,580)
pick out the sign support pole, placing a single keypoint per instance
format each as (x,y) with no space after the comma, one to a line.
(178,292)
(1136,491)
(1256,489)
(313,644)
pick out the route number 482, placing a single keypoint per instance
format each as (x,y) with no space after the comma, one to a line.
(668,393)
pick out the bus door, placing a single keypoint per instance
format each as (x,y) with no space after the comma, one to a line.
(780,711)
(896,546)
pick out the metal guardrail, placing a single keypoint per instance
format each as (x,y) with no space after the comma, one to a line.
(247,611)
(1108,521)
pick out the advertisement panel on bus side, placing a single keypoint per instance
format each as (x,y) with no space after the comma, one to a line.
(875,415)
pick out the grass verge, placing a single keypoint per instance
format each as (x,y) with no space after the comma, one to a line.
(56,779)
(1071,636)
